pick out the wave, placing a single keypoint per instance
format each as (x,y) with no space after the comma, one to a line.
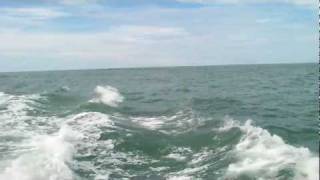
(47,158)
(50,156)
(58,145)
(32,148)
(14,114)
(262,155)
(40,148)
(107,95)
(179,154)
(17,104)
(180,122)
(48,147)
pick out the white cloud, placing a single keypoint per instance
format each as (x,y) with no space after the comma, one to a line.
(307,3)
(148,34)
(77,2)
(18,19)
(120,45)
(31,13)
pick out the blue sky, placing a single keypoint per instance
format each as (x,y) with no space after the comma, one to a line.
(86,34)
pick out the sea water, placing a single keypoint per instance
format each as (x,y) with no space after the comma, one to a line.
(215,122)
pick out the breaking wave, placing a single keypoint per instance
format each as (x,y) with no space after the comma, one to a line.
(39,148)
(107,95)
(180,122)
(50,156)
(262,155)
(47,158)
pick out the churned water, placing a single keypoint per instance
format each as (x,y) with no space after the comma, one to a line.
(224,122)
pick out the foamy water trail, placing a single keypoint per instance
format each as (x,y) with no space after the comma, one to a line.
(34,155)
(107,95)
(14,117)
(17,105)
(49,146)
(44,151)
(48,150)
(180,122)
(47,158)
(262,155)
(50,156)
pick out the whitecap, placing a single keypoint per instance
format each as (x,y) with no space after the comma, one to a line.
(151,123)
(17,105)
(180,178)
(180,122)
(48,158)
(107,95)
(179,154)
(261,154)
(176,156)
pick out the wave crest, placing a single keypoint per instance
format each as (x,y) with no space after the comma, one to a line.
(107,95)
(261,154)
(48,158)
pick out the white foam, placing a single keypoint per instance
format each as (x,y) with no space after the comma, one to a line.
(179,154)
(14,117)
(176,156)
(187,173)
(102,177)
(179,178)
(152,123)
(107,95)
(261,154)
(46,151)
(195,166)
(65,88)
(228,124)
(200,157)
(89,120)
(17,104)
(158,169)
(180,122)
(48,158)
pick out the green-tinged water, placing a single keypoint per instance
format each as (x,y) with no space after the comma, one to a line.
(225,122)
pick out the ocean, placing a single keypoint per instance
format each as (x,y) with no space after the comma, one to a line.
(239,122)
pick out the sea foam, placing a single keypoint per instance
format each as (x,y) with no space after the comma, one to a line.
(48,153)
(180,122)
(48,158)
(107,95)
(261,154)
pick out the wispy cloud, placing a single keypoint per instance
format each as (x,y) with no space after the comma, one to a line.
(78,2)
(18,18)
(119,46)
(307,3)
(134,33)
(35,13)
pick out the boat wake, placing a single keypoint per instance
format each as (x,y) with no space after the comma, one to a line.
(61,148)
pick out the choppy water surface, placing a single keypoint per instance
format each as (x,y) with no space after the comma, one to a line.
(224,122)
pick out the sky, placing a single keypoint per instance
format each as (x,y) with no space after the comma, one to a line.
(91,34)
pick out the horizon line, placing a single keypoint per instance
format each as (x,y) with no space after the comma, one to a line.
(156,67)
